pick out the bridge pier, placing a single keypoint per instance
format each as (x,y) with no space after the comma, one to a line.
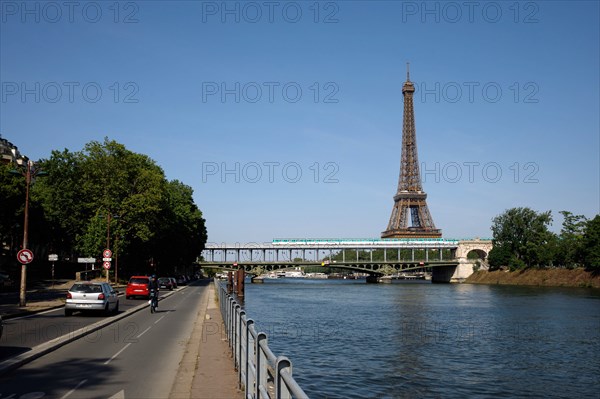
(442,274)
(452,274)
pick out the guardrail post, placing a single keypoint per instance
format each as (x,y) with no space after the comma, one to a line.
(230,326)
(281,390)
(247,382)
(260,363)
(242,368)
(236,335)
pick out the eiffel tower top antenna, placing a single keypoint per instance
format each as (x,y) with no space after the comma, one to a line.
(407,72)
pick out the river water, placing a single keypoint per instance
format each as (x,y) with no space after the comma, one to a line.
(349,339)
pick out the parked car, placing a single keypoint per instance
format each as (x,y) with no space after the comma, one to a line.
(138,286)
(165,282)
(173,281)
(5,281)
(181,280)
(84,296)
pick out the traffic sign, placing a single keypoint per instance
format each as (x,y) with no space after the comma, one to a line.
(86,260)
(106,259)
(25,256)
(107,253)
(52,257)
(106,265)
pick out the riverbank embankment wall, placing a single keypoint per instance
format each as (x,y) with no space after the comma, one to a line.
(538,277)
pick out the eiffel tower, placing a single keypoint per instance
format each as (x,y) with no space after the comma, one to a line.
(410,200)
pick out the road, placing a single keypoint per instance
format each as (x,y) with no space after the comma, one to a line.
(23,333)
(135,357)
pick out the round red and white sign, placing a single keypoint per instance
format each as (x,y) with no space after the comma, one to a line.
(106,265)
(107,253)
(25,256)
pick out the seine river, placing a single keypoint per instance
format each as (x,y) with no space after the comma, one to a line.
(349,339)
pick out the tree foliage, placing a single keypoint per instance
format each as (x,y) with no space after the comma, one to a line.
(520,236)
(12,193)
(106,191)
(521,239)
(591,244)
(570,248)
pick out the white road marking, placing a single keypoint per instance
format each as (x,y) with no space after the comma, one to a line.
(118,395)
(74,389)
(143,332)
(162,317)
(32,315)
(117,354)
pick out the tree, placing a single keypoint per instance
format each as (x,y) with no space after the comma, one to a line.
(59,193)
(12,199)
(570,247)
(521,235)
(108,188)
(499,256)
(591,244)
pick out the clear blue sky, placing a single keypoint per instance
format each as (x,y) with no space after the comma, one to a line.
(237,99)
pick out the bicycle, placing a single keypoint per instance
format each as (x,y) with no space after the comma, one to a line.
(153,301)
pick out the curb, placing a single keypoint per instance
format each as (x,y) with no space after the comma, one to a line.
(7,316)
(47,347)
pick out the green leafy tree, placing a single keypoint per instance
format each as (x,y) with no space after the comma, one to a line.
(522,235)
(107,188)
(60,194)
(570,248)
(499,256)
(183,232)
(12,199)
(591,244)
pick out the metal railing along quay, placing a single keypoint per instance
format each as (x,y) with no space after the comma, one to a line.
(261,374)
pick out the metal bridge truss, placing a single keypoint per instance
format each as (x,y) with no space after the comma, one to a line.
(377,268)
(398,255)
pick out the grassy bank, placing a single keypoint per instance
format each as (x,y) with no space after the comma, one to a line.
(539,277)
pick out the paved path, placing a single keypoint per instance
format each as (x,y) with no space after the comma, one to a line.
(206,370)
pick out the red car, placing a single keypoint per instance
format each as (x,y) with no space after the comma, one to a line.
(137,286)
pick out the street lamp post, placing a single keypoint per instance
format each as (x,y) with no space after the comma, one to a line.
(30,171)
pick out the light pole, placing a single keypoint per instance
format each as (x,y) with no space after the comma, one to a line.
(30,171)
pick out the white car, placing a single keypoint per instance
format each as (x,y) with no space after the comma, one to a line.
(84,296)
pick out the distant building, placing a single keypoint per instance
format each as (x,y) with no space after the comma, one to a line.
(8,151)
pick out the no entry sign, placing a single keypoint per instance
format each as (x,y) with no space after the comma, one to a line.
(25,256)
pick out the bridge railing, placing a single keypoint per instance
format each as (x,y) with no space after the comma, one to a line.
(261,373)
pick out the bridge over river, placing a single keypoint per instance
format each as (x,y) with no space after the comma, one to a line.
(447,259)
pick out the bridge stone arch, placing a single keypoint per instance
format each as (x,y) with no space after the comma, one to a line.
(482,247)
(465,266)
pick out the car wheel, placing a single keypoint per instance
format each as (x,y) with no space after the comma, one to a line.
(117,308)
(127,297)
(68,312)
(107,309)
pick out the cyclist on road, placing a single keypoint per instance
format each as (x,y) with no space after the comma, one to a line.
(153,289)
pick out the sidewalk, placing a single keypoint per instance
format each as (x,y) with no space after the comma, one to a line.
(206,370)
